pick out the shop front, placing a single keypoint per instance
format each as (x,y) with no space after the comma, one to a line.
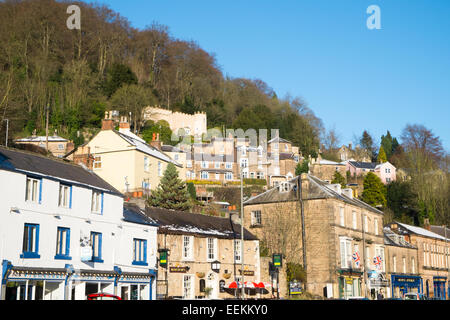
(24,283)
(349,284)
(378,285)
(439,288)
(402,284)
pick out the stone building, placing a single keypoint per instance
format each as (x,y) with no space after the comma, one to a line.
(123,159)
(204,256)
(332,234)
(402,267)
(325,169)
(433,257)
(57,145)
(192,124)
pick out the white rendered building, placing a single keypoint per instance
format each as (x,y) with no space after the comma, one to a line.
(65,233)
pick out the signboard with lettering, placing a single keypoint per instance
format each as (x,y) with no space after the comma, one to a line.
(247,272)
(178,269)
(86,253)
(295,287)
(277,259)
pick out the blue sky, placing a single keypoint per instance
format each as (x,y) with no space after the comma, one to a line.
(353,78)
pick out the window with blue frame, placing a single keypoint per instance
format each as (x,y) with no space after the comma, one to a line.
(63,244)
(30,247)
(96,243)
(97,202)
(65,196)
(140,252)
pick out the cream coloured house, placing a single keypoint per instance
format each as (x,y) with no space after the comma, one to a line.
(125,160)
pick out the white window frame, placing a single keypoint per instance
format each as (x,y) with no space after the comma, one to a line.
(189,164)
(160,173)
(96,203)
(237,251)
(217,165)
(146,164)
(345,248)
(204,175)
(228,176)
(354,221)
(375,226)
(32,190)
(229,165)
(217,176)
(188,248)
(204,164)
(256,218)
(211,249)
(64,196)
(341,216)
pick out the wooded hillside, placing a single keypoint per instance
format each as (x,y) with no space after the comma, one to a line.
(109,64)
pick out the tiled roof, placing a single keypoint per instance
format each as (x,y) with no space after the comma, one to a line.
(179,222)
(52,168)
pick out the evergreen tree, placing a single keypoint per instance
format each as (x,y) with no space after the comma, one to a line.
(192,191)
(171,192)
(381,155)
(386,143)
(374,192)
(339,178)
(302,167)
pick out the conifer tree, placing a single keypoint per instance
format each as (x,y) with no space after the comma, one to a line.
(374,192)
(381,155)
(171,192)
(339,178)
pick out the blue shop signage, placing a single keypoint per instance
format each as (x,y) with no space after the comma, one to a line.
(406,281)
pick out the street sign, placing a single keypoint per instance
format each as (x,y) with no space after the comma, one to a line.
(277,259)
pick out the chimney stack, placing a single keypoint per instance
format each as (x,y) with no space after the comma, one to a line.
(108,122)
(124,125)
(426,224)
(155,143)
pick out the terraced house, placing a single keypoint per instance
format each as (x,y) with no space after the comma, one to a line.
(64,233)
(336,237)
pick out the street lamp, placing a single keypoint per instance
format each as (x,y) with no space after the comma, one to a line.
(215,266)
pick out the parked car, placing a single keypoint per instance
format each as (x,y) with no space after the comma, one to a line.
(414,296)
(103,296)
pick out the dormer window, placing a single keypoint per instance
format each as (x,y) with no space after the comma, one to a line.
(284,186)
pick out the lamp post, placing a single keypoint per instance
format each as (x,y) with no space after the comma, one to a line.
(242,234)
(7,127)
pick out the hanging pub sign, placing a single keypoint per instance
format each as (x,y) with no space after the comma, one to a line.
(178,269)
(277,260)
(163,258)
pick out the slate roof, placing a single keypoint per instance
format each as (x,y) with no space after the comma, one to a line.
(440,230)
(393,239)
(132,213)
(41,139)
(184,223)
(52,168)
(318,189)
(364,165)
(142,146)
(420,231)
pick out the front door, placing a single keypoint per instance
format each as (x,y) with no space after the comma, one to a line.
(212,283)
